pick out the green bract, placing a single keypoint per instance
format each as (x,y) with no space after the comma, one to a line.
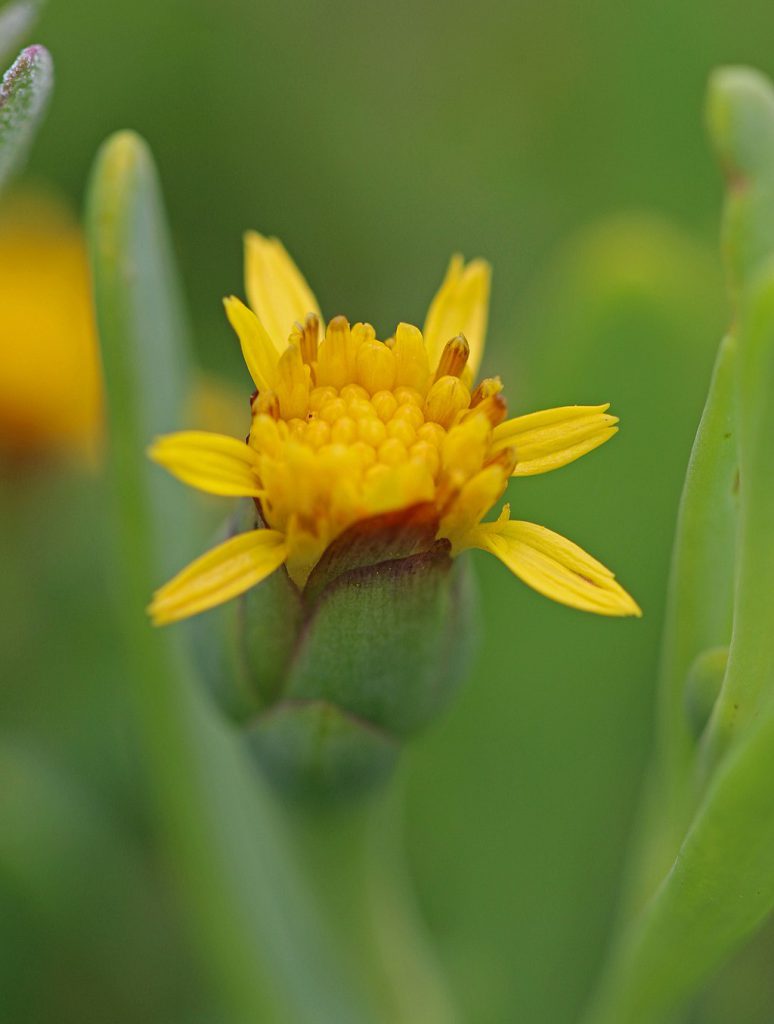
(329,680)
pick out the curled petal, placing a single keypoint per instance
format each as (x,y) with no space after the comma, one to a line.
(553,438)
(461,306)
(225,572)
(258,350)
(275,287)
(554,566)
(213,463)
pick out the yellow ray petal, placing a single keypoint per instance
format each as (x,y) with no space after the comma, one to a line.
(552,438)
(461,306)
(554,566)
(258,350)
(275,287)
(212,462)
(225,572)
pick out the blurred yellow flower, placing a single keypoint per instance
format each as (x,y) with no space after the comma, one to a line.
(346,427)
(50,385)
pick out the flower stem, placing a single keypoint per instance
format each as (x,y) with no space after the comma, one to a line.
(355,858)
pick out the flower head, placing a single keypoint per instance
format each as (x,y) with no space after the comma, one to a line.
(346,427)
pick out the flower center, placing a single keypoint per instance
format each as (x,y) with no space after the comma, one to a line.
(384,429)
(357,427)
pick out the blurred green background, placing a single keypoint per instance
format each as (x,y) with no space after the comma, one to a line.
(565,143)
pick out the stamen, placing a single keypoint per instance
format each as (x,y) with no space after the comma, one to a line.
(454,358)
(494,407)
(488,387)
(307,338)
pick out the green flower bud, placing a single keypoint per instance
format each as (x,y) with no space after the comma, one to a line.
(328,681)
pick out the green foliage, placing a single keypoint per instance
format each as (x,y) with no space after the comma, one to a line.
(257,929)
(710,851)
(543,751)
(24,94)
(702,686)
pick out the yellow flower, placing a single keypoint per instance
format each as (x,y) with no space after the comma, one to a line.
(50,385)
(346,427)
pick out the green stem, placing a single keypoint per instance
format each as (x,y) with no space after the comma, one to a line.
(354,854)
(698,618)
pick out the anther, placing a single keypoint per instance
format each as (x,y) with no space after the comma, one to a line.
(493,407)
(486,389)
(454,358)
(307,338)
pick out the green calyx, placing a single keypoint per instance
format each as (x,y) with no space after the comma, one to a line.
(329,680)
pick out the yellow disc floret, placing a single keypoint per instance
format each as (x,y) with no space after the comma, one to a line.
(355,426)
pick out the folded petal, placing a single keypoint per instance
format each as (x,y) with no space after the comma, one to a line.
(211,462)
(275,287)
(258,350)
(225,572)
(547,440)
(554,566)
(461,306)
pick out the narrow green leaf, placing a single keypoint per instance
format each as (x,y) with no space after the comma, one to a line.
(24,94)
(16,21)
(741,119)
(718,892)
(720,886)
(257,927)
(698,618)
(629,312)
(702,687)
(749,683)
